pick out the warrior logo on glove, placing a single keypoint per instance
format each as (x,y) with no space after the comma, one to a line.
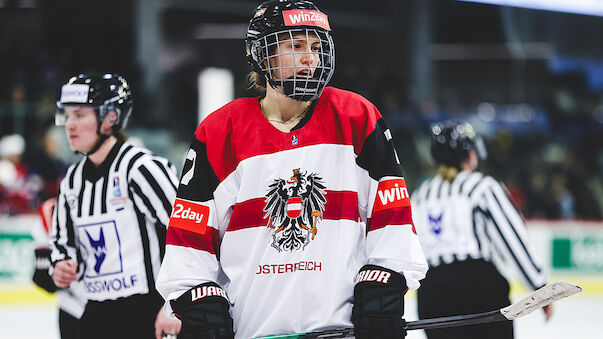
(294,208)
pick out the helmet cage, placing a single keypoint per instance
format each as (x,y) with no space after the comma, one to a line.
(266,58)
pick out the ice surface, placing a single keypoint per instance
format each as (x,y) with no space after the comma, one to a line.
(575,317)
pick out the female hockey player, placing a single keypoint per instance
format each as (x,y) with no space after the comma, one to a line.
(292,214)
(464,219)
(110,219)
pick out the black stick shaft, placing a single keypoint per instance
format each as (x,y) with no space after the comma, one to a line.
(442,322)
(528,304)
(456,320)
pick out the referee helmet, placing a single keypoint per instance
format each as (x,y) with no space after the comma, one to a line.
(451,142)
(105,93)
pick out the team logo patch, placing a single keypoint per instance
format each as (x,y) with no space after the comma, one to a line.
(294,140)
(435,223)
(294,208)
(304,17)
(189,215)
(117,195)
(391,194)
(116,189)
(101,247)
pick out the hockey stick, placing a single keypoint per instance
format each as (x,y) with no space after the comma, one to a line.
(530,303)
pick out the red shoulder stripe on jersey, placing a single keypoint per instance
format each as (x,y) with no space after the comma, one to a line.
(340,205)
(239,130)
(393,216)
(209,242)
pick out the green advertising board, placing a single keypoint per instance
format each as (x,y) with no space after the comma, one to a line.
(578,253)
(16,257)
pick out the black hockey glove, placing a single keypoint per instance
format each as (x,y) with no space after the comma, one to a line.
(379,303)
(203,311)
(41,275)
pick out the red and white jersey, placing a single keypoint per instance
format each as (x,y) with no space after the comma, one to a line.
(284,221)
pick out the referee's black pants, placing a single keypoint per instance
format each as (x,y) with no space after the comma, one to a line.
(125,318)
(464,287)
(68,325)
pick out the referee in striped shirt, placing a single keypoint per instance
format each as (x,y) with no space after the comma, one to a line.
(109,223)
(465,221)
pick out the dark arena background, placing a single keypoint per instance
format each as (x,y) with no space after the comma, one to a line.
(529,78)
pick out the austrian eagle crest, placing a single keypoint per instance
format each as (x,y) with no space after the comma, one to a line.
(293,209)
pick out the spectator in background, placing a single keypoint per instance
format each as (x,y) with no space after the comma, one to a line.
(579,182)
(18,107)
(17,189)
(48,165)
(563,197)
(516,195)
(539,201)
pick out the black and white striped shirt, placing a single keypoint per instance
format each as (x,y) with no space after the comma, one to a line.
(112,220)
(472,217)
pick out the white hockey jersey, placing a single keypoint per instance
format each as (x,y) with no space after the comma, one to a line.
(112,221)
(276,218)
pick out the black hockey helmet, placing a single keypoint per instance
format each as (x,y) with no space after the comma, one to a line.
(105,93)
(451,142)
(278,20)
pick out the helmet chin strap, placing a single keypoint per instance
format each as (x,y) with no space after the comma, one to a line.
(101,139)
(98,144)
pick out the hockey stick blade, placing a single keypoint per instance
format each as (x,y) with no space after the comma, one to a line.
(540,298)
(530,303)
(533,301)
